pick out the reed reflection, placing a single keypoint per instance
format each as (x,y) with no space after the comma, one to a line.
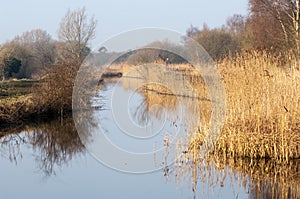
(260,178)
(165,89)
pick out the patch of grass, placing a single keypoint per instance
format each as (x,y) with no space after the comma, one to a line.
(17,102)
(13,88)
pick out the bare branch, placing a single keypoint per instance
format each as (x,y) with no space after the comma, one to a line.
(76,31)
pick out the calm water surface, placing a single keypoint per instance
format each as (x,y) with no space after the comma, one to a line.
(81,176)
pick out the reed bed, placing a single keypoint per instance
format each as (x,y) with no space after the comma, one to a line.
(262,105)
(263,115)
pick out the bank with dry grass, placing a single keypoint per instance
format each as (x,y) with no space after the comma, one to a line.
(16,101)
(26,100)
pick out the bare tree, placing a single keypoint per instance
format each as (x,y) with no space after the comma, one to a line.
(236,24)
(35,50)
(8,51)
(290,10)
(38,52)
(75,30)
(41,46)
(4,52)
(276,23)
(218,42)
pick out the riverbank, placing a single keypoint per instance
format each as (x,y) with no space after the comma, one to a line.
(20,103)
(25,100)
(16,101)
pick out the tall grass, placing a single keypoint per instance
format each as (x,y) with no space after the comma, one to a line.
(263,100)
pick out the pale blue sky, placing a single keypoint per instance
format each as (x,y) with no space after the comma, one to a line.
(114,16)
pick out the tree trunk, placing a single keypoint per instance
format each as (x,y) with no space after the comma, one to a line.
(281,22)
(296,24)
(2,73)
(61,116)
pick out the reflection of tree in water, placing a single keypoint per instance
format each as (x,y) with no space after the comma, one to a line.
(54,143)
(10,147)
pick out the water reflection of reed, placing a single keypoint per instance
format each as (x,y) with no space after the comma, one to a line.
(156,99)
(270,179)
(261,178)
(166,88)
(55,143)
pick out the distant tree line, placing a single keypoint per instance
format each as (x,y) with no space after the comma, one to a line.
(32,53)
(271,25)
(155,52)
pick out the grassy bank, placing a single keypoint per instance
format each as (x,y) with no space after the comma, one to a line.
(16,101)
(14,88)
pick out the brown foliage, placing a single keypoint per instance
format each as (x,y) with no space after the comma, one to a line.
(275,24)
(55,91)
